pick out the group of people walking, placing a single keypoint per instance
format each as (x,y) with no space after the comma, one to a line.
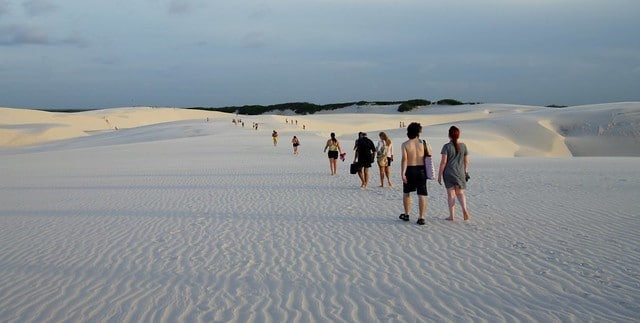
(452,171)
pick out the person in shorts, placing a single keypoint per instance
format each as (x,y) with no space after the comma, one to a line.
(384,152)
(295,142)
(414,176)
(333,145)
(364,155)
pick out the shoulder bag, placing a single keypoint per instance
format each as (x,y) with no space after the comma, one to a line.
(428,162)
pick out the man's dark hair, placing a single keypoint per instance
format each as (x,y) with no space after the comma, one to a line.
(413,130)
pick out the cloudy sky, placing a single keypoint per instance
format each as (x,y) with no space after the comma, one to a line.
(101,54)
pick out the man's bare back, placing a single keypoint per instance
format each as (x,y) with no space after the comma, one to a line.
(413,151)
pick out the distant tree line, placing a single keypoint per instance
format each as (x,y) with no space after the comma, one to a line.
(311,108)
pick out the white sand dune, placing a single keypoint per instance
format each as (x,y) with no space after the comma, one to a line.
(19,127)
(172,218)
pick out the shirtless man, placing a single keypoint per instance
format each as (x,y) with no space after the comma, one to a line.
(414,177)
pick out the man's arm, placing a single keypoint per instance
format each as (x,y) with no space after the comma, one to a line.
(403,167)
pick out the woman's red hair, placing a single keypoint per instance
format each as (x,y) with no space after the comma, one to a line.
(454,134)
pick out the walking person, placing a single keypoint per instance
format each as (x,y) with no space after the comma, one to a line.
(295,142)
(414,176)
(384,153)
(453,171)
(274,135)
(365,151)
(333,145)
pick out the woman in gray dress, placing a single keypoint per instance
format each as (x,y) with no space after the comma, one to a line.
(453,170)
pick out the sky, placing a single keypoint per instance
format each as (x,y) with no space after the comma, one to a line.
(79,54)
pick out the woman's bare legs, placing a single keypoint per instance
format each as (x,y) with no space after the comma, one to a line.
(333,164)
(452,194)
(462,198)
(387,171)
(451,201)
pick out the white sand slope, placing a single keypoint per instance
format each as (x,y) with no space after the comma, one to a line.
(19,127)
(196,221)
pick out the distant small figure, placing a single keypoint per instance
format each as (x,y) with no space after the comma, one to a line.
(274,135)
(295,143)
(454,171)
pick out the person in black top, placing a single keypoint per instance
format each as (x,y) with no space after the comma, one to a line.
(365,151)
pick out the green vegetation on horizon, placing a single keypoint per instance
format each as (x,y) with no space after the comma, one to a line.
(311,108)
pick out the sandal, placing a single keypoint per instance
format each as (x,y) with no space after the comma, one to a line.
(420,222)
(404,217)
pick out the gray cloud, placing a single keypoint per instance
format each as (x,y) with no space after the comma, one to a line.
(178,7)
(106,60)
(4,7)
(260,11)
(39,7)
(16,35)
(254,40)
(73,40)
(22,34)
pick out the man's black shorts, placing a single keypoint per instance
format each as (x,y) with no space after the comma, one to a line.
(416,180)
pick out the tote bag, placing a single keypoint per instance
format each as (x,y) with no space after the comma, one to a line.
(382,156)
(428,162)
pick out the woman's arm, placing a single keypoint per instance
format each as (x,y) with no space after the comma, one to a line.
(443,164)
(466,163)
